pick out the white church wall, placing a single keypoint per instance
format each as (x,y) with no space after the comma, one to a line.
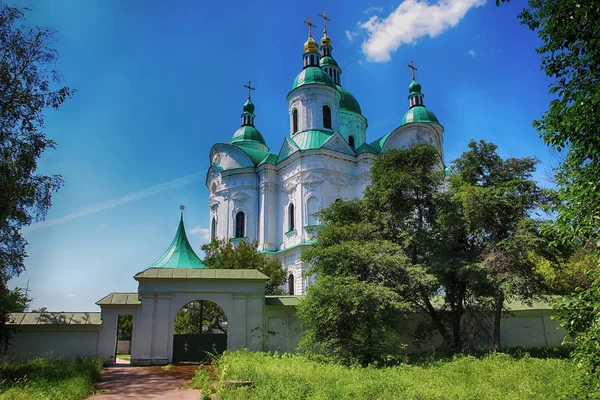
(409,135)
(308,101)
(107,338)
(284,330)
(355,125)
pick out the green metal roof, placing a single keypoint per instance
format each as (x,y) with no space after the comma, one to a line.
(312,75)
(180,253)
(378,144)
(419,114)
(365,148)
(178,273)
(328,61)
(311,139)
(283,300)
(257,156)
(247,132)
(119,299)
(348,101)
(270,159)
(55,318)
(249,106)
(414,88)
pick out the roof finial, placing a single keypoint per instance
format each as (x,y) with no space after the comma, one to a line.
(182,207)
(325,19)
(249,88)
(310,26)
(412,66)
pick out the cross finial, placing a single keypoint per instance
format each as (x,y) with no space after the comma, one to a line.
(325,19)
(412,66)
(249,88)
(310,26)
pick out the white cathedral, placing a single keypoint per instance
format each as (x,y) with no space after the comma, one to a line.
(258,195)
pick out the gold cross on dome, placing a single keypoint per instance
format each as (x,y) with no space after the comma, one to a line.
(249,88)
(325,19)
(412,66)
(310,26)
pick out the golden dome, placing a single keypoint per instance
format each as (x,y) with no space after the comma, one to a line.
(325,41)
(311,46)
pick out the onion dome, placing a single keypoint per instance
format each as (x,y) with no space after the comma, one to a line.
(249,106)
(311,46)
(180,253)
(325,41)
(247,135)
(348,101)
(328,61)
(417,112)
(312,75)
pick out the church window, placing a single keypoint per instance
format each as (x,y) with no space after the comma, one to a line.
(312,60)
(351,141)
(291,221)
(294,121)
(240,225)
(312,206)
(291,284)
(213,229)
(327,117)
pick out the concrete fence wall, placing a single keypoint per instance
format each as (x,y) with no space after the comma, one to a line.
(123,346)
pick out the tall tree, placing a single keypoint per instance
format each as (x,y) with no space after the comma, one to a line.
(224,254)
(498,197)
(28,87)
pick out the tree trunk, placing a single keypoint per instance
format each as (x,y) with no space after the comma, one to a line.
(437,321)
(457,312)
(498,305)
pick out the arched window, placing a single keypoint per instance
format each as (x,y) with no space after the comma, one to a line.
(327,117)
(294,121)
(291,220)
(312,206)
(351,141)
(240,225)
(213,229)
(291,284)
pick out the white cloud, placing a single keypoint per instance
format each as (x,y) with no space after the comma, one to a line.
(373,10)
(411,20)
(107,205)
(205,232)
(71,295)
(350,36)
(472,53)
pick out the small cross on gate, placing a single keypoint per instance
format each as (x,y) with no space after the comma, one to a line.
(412,66)
(185,347)
(325,19)
(310,26)
(249,88)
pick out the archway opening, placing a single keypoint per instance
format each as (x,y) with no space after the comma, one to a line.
(200,332)
(124,337)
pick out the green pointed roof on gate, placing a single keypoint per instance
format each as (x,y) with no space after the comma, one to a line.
(180,253)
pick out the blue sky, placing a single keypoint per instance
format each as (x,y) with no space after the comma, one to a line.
(159,82)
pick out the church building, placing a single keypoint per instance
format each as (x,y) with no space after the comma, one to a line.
(270,197)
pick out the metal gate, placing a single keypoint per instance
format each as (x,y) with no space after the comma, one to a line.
(198,347)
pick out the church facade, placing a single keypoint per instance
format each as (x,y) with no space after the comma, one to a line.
(257,194)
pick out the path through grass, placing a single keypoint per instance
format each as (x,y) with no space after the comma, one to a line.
(44,379)
(494,376)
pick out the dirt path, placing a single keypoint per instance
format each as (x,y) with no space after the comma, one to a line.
(125,382)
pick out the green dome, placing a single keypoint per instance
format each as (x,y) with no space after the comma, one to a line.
(312,75)
(247,132)
(414,87)
(348,101)
(419,114)
(180,253)
(328,61)
(249,106)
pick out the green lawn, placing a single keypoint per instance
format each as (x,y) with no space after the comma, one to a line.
(44,379)
(493,377)
(126,357)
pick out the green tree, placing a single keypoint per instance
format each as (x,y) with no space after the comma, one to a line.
(352,321)
(498,198)
(224,254)
(28,81)
(125,327)
(201,316)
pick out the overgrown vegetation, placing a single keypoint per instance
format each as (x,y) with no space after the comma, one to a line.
(493,376)
(45,379)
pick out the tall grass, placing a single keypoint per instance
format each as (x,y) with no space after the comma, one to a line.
(494,376)
(49,379)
